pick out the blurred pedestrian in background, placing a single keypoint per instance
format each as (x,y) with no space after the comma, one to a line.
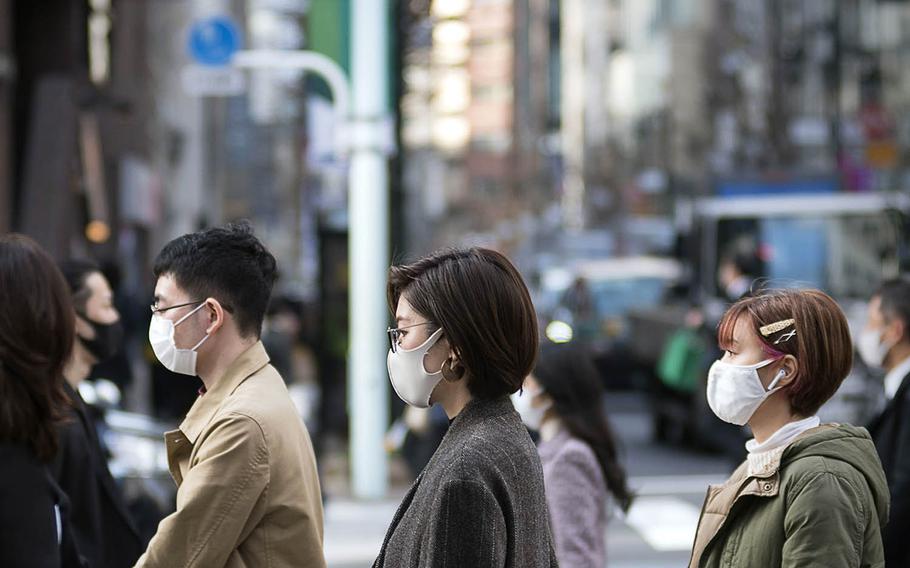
(36,338)
(582,308)
(102,526)
(807,494)
(885,343)
(563,400)
(248,492)
(736,273)
(465,337)
(133,322)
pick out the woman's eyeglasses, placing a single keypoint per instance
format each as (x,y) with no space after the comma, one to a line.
(395,334)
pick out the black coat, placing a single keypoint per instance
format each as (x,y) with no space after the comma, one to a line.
(891,433)
(34,526)
(479,502)
(102,528)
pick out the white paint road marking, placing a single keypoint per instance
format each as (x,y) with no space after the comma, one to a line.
(665,523)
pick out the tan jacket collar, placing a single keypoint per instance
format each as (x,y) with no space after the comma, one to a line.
(204,408)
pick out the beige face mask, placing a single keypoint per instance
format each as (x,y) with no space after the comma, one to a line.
(410,379)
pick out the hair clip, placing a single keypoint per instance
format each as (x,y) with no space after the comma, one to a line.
(785,337)
(772,328)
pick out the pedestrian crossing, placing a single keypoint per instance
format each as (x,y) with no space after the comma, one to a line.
(665,523)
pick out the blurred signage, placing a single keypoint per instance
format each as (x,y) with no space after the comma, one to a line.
(882,154)
(202,81)
(750,187)
(211,44)
(213,41)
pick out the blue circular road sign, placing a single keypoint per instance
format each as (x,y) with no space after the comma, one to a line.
(213,41)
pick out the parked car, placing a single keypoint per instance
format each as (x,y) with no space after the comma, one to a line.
(589,301)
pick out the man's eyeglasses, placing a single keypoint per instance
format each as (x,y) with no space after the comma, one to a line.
(395,334)
(157,310)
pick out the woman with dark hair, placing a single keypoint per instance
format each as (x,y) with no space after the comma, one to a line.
(563,400)
(102,527)
(36,338)
(465,337)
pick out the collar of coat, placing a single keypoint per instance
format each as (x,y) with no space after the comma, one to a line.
(480,409)
(721,498)
(471,417)
(202,412)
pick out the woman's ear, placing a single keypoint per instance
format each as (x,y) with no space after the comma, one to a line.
(788,370)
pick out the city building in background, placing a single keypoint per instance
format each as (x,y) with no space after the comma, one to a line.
(615,112)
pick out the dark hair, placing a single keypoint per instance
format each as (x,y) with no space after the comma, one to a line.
(483,306)
(76,273)
(226,263)
(567,374)
(895,302)
(746,263)
(37,326)
(822,343)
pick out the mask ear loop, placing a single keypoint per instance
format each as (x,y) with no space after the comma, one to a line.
(203,340)
(207,335)
(196,309)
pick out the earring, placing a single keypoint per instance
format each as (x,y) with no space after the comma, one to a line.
(457,375)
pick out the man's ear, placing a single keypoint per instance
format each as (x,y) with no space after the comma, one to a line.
(895,331)
(216,315)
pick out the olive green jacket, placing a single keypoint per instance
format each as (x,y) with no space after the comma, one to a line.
(822,503)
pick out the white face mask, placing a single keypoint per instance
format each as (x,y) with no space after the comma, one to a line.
(161,336)
(532,416)
(411,381)
(871,348)
(735,391)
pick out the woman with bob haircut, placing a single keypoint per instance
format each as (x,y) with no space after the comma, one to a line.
(808,494)
(36,337)
(465,337)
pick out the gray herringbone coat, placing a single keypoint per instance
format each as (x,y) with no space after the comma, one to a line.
(479,502)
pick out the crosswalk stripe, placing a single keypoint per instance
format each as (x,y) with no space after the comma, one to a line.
(673,484)
(665,523)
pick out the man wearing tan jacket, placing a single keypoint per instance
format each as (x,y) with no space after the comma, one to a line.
(248,493)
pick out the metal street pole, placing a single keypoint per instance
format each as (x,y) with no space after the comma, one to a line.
(366,135)
(368,243)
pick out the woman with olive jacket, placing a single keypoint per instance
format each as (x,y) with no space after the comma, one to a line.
(809,495)
(465,337)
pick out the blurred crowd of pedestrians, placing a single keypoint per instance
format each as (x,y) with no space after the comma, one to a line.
(514,458)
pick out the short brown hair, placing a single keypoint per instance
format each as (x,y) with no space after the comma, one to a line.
(822,343)
(482,304)
(37,325)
